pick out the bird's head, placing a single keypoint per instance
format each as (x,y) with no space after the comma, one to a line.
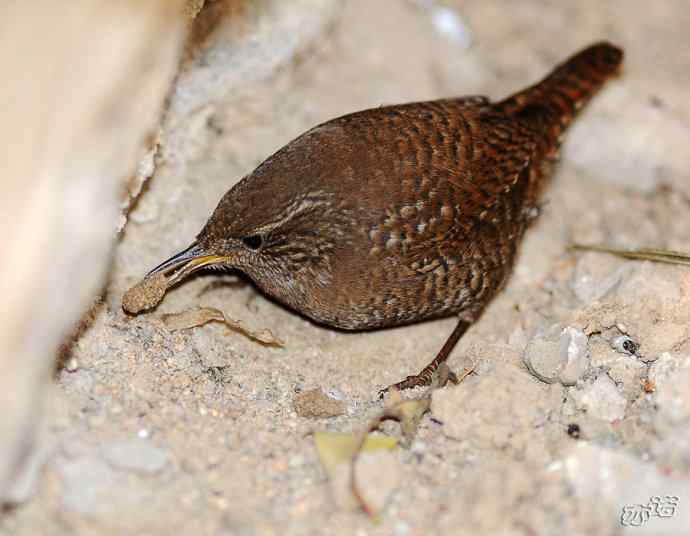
(281,225)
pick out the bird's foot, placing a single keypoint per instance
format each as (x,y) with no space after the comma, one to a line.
(425,378)
(435,374)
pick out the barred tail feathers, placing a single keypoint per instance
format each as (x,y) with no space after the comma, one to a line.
(569,86)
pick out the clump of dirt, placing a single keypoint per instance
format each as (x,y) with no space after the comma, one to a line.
(146,294)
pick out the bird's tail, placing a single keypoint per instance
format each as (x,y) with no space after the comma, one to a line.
(569,86)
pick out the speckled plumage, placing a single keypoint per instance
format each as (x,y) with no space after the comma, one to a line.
(402,213)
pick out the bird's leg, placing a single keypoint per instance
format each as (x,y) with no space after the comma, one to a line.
(425,376)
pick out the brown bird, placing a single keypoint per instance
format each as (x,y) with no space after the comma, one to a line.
(400,213)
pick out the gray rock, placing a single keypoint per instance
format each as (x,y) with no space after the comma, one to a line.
(135,455)
(543,359)
(564,359)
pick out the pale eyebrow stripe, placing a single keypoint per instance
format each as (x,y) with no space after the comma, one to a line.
(313,200)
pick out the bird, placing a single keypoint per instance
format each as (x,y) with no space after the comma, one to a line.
(401,213)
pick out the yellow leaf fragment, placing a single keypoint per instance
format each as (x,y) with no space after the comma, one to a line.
(335,448)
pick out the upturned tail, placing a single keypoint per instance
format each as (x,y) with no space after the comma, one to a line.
(569,86)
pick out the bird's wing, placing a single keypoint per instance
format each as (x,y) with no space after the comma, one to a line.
(488,193)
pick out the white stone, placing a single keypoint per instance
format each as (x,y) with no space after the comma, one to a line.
(574,355)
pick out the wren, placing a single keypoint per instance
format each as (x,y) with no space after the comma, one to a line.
(401,213)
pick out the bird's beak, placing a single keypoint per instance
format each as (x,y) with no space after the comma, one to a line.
(185,262)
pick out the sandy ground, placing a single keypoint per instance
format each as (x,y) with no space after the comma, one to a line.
(156,432)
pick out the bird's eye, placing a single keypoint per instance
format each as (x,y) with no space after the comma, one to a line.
(253,241)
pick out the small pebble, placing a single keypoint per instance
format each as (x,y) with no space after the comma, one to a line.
(542,358)
(72,364)
(564,360)
(315,404)
(624,344)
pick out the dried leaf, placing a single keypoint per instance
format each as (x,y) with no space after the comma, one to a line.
(198,317)
(192,318)
(647,254)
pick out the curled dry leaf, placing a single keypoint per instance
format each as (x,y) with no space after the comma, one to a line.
(198,317)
